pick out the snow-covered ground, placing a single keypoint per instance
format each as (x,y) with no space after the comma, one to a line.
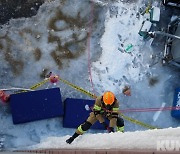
(63,39)
(150,139)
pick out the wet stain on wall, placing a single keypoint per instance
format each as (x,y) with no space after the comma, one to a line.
(37,54)
(64,48)
(64,51)
(15,63)
(153,81)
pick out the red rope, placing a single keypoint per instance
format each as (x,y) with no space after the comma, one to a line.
(150,109)
(177,108)
(89,45)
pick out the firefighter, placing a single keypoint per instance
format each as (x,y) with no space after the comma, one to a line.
(106,106)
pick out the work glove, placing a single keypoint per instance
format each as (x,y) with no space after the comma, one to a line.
(70,140)
(109,129)
(107,113)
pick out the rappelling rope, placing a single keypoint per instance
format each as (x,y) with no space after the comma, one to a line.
(37,85)
(14,88)
(150,109)
(89,46)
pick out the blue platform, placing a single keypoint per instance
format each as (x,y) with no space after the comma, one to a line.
(75,113)
(36,105)
(176,103)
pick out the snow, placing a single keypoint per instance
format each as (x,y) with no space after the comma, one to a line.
(115,28)
(155,14)
(146,26)
(129,140)
(117,67)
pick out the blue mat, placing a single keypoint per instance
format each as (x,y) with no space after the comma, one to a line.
(75,113)
(176,103)
(36,105)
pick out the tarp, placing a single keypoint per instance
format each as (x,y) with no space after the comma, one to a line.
(75,113)
(36,105)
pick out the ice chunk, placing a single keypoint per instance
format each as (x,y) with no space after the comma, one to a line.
(155,14)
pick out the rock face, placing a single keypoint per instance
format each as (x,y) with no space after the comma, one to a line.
(18,8)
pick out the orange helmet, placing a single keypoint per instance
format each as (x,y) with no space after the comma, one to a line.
(108,98)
